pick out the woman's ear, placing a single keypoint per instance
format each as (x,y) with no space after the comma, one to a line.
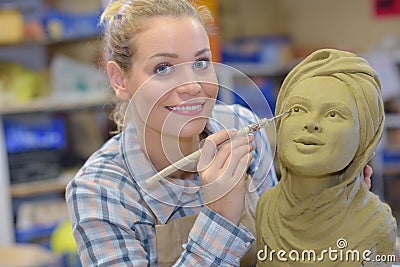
(117,80)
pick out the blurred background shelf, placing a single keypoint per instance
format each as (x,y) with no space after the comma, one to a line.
(29,189)
(51,85)
(50,42)
(54,104)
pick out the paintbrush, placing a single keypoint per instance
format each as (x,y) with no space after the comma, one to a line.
(180,164)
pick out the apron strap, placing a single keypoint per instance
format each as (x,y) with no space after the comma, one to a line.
(170,238)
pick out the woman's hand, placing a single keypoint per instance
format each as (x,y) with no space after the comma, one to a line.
(367,175)
(222,173)
(368,172)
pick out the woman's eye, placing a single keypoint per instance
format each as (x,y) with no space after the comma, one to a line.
(163,68)
(201,64)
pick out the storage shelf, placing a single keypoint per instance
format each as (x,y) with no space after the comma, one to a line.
(81,44)
(56,185)
(93,37)
(55,104)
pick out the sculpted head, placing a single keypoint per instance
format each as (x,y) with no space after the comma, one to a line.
(337,115)
(323,144)
(311,140)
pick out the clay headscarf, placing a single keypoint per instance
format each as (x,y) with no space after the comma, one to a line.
(347,210)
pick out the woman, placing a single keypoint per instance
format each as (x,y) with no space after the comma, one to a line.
(117,219)
(335,124)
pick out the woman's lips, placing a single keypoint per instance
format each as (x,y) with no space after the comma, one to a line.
(187,109)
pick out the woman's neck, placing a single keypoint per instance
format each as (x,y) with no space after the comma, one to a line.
(163,150)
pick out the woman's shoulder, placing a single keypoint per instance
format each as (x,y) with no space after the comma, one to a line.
(108,151)
(104,168)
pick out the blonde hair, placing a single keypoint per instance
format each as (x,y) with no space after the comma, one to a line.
(123,20)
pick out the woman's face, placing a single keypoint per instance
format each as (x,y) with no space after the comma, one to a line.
(172,102)
(321,134)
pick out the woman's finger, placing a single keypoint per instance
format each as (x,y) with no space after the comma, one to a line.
(367,175)
(210,147)
(233,162)
(227,149)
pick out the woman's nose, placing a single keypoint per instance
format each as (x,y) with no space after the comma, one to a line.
(312,126)
(190,89)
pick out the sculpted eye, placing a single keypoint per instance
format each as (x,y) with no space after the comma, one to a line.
(335,114)
(296,108)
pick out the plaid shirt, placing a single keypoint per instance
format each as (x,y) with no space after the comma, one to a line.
(108,204)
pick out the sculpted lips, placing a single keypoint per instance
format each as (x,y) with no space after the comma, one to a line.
(309,141)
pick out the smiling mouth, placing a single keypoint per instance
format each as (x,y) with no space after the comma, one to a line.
(186,107)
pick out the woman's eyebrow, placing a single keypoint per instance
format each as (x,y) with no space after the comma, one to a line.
(171,55)
(202,51)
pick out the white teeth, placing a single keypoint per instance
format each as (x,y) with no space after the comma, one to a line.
(184,108)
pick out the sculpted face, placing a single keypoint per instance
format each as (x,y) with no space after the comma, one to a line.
(321,134)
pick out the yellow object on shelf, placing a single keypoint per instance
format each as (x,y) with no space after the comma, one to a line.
(62,241)
(21,83)
(11,26)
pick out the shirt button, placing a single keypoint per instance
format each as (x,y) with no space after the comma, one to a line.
(247,244)
(237,259)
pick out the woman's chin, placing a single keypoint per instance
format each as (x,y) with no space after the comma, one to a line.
(193,128)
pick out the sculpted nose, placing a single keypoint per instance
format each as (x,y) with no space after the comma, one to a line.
(312,126)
